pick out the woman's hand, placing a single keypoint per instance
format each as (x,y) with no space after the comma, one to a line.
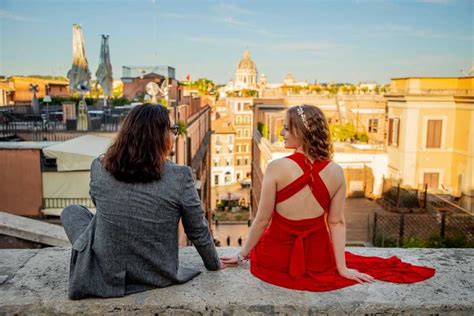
(225,262)
(231,261)
(356,275)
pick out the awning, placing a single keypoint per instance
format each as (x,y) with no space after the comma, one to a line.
(78,153)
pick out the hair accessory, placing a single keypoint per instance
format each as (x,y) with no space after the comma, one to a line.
(300,112)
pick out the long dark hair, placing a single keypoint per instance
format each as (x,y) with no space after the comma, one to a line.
(142,145)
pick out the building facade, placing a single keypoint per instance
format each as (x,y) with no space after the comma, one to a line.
(242,117)
(135,80)
(16,90)
(431,133)
(223,151)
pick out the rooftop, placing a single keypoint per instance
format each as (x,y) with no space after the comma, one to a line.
(35,282)
(27,145)
(460,86)
(223,126)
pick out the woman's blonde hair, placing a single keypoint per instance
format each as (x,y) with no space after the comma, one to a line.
(308,123)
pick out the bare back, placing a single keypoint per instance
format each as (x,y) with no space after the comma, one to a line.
(303,204)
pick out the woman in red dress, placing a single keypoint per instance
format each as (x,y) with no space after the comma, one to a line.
(298,237)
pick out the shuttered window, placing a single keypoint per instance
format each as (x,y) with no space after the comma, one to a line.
(431,179)
(433,135)
(393,131)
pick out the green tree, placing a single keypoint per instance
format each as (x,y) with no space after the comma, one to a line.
(342,132)
(204,86)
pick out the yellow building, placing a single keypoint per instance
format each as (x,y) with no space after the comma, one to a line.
(431,133)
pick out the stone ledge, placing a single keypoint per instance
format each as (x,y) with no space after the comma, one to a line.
(35,282)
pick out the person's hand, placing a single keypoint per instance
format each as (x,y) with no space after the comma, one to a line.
(229,261)
(356,275)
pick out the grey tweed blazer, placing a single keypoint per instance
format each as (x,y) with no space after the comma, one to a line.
(131,244)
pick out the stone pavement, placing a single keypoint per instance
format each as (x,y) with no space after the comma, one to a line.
(34,282)
(359,214)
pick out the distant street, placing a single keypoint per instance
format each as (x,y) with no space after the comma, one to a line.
(233,188)
(358,212)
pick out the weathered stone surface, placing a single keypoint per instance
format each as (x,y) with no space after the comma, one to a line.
(33,230)
(36,283)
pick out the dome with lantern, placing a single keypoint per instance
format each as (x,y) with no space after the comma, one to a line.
(246,74)
(247,63)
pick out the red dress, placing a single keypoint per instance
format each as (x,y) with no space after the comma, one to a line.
(298,254)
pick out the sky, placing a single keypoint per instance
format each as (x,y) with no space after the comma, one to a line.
(317,41)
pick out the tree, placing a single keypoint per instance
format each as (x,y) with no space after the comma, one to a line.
(117,91)
(342,132)
(204,86)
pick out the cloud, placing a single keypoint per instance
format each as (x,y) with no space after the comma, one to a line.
(304,46)
(277,46)
(391,30)
(178,15)
(9,16)
(231,9)
(434,1)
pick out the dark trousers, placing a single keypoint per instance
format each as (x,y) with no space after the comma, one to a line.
(75,219)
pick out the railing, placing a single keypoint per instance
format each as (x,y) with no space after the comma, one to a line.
(398,197)
(61,203)
(21,120)
(423,230)
(436,202)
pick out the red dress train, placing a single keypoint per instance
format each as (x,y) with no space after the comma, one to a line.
(298,254)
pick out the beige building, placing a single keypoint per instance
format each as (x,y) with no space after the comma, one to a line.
(431,133)
(222,152)
(242,117)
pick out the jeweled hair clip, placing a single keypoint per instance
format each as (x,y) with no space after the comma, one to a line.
(301,114)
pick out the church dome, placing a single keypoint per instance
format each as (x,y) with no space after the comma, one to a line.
(246,62)
(289,78)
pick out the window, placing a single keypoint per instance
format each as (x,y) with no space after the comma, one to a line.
(393,131)
(238,119)
(227,162)
(230,139)
(239,132)
(239,106)
(247,133)
(228,177)
(216,162)
(230,149)
(246,161)
(433,135)
(431,179)
(216,179)
(238,149)
(246,119)
(246,148)
(238,161)
(218,150)
(373,125)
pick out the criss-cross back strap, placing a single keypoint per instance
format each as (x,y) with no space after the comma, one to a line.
(309,177)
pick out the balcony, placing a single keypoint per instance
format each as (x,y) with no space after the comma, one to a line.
(36,281)
(21,122)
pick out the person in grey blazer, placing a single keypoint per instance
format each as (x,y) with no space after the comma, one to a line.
(131,243)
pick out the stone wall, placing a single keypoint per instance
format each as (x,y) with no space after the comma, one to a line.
(34,282)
